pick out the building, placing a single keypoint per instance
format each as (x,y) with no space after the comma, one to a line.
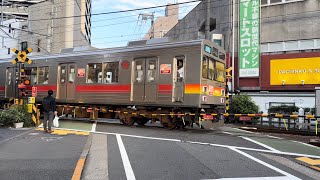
(53,25)
(287,35)
(164,23)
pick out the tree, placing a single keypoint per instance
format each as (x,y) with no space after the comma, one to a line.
(243,104)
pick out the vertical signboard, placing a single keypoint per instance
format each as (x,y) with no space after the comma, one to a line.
(249,38)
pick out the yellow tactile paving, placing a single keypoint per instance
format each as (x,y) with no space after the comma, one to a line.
(63,132)
(309,161)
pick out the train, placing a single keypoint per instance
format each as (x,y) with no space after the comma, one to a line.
(145,77)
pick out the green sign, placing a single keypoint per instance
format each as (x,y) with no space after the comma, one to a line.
(249,38)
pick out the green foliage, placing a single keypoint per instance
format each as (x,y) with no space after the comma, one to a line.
(283,109)
(243,104)
(16,114)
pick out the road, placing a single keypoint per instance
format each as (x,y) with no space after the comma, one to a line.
(156,153)
(151,152)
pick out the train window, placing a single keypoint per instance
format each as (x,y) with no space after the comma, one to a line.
(72,74)
(43,75)
(211,69)
(152,69)
(220,72)
(222,56)
(180,70)
(31,74)
(94,73)
(215,52)
(111,72)
(207,49)
(139,71)
(205,67)
(9,77)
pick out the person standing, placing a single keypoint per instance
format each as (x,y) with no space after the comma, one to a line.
(49,111)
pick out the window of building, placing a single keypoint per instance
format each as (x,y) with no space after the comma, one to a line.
(111,72)
(10,28)
(31,75)
(94,73)
(275,1)
(270,2)
(220,71)
(8,50)
(43,75)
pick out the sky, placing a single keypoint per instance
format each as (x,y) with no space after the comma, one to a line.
(114,30)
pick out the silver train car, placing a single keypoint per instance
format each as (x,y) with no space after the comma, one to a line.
(180,77)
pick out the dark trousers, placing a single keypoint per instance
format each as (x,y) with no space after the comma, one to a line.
(47,117)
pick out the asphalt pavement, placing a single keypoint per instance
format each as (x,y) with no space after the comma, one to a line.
(156,153)
(33,154)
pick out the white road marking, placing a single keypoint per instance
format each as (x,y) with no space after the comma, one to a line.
(274,137)
(16,136)
(243,130)
(258,178)
(216,145)
(260,144)
(310,145)
(289,176)
(227,132)
(94,126)
(125,159)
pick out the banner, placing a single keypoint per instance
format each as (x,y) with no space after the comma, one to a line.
(297,71)
(249,38)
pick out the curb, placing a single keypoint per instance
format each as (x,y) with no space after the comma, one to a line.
(81,162)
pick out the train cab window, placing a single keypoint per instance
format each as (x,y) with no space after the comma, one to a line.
(94,73)
(205,67)
(72,74)
(111,72)
(31,74)
(220,72)
(43,75)
(211,69)
(139,71)
(152,71)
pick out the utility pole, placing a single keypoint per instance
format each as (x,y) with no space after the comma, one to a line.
(207,26)
(145,17)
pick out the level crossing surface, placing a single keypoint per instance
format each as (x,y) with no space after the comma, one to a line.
(152,152)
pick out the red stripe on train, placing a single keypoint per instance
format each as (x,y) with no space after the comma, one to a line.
(43,88)
(104,88)
(2,88)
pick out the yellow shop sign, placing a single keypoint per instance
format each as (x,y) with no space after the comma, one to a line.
(295,71)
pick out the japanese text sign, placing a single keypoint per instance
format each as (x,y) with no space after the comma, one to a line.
(249,38)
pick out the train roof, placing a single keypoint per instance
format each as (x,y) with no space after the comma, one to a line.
(132,46)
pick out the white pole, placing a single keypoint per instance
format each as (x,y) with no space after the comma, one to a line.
(233,43)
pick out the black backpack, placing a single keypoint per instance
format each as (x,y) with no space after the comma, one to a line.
(46,104)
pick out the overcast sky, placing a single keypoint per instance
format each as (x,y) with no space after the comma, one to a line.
(115,30)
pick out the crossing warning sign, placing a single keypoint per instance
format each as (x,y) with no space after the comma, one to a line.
(34,91)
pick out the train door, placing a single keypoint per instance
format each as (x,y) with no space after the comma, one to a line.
(10,82)
(66,84)
(178,79)
(144,80)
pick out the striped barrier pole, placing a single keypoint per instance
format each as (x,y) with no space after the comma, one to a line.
(285,124)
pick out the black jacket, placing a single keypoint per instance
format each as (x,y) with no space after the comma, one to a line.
(52,104)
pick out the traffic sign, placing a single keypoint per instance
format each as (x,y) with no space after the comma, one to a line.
(34,91)
(31,100)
